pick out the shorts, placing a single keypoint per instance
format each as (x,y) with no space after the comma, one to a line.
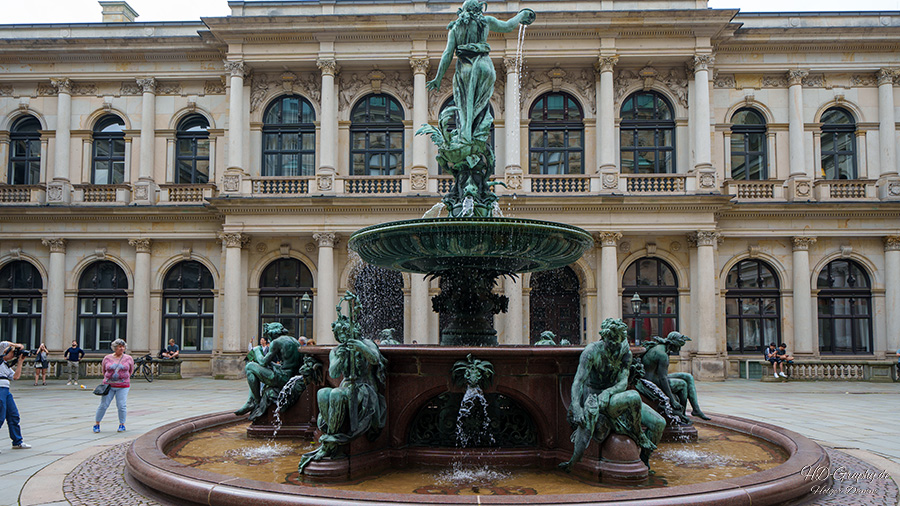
(43,364)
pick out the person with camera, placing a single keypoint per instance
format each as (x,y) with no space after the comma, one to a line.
(11,369)
(41,364)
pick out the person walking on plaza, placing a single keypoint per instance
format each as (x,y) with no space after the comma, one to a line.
(41,363)
(117,368)
(8,410)
(74,355)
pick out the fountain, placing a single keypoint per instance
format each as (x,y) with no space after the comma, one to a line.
(484,411)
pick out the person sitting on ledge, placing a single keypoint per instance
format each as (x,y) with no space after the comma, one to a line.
(171,351)
(784,358)
(772,356)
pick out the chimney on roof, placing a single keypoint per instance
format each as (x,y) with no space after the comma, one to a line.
(117,12)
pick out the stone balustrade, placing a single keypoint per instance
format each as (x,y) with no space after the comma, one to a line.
(185,193)
(373,184)
(845,189)
(22,194)
(673,184)
(766,190)
(881,371)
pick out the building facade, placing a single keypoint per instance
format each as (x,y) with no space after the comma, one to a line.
(194,180)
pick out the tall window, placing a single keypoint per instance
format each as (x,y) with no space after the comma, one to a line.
(192,150)
(25,151)
(289,138)
(647,134)
(748,146)
(556,305)
(655,282)
(108,165)
(20,304)
(752,307)
(845,308)
(556,135)
(282,285)
(376,136)
(102,306)
(381,299)
(838,144)
(188,307)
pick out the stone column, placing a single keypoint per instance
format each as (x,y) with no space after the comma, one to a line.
(709,365)
(326,293)
(800,183)
(328,146)
(887,137)
(705,173)
(512,122)
(139,334)
(54,313)
(229,364)
(420,309)
(515,322)
(892,292)
(804,342)
(145,187)
(606,126)
(610,305)
(418,175)
(231,179)
(59,190)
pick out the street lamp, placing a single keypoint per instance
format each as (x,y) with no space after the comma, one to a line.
(305,304)
(636,303)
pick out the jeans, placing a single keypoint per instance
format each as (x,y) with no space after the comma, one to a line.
(73,370)
(10,413)
(121,395)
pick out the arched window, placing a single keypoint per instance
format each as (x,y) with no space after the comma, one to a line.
(655,282)
(192,150)
(838,144)
(20,304)
(556,305)
(282,285)
(108,166)
(188,307)
(25,151)
(289,138)
(845,308)
(647,134)
(381,299)
(556,135)
(752,307)
(748,146)
(376,136)
(102,306)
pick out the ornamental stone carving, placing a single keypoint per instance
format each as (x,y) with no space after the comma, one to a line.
(129,88)
(214,88)
(803,189)
(893,188)
(6,90)
(56,244)
(234,239)
(513,180)
(703,238)
(609,238)
(55,192)
(892,243)
(703,62)
(63,85)
(610,181)
(606,63)
(803,243)
(419,65)
(325,182)
(796,76)
(418,181)
(140,245)
(886,76)
(168,88)
(231,182)
(511,65)
(724,80)
(141,192)
(774,82)
(351,84)
(674,80)
(707,180)
(326,239)
(147,85)
(328,66)
(863,80)
(814,81)
(236,68)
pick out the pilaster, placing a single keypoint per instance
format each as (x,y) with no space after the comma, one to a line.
(326,296)
(606,125)
(54,313)
(892,291)
(139,333)
(804,341)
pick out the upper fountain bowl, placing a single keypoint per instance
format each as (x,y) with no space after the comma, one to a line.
(501,245)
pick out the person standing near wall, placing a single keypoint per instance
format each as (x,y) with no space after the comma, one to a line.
(74,355)
(117,370)
(8,410)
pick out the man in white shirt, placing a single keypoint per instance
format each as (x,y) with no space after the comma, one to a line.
(8,410)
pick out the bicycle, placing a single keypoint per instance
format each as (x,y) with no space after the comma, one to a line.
(143,365)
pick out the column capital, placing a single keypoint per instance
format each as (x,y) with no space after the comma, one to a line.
(419,65)
(887,76)
(606,63)
(892,243)
(703,61)
(234,239)
(803,243)
(326,239)
(62,85)
(796,76)
(511,64)
(140,245)
(147,85)
(704,238)
(237,68)
(56,244)
(328,66)
(608,238)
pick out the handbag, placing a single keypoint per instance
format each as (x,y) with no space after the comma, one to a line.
(101,389)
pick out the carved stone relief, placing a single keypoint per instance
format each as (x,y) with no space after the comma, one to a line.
(674,79)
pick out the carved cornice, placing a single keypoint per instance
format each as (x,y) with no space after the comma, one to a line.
(892,243)
(606,63)
(803,243)
(419,65)
(140,245)
(703,61)
(234,239)
(326,239)
(608,238)
(56,244)
(236,68)
(328,66)
(703,238)
(796,76)
(62,85)
(147,85)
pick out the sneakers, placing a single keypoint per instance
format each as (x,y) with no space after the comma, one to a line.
(21,446)
(783,375)
(97,429)
(775,374)
(69,383)
(121,428)
(75,383)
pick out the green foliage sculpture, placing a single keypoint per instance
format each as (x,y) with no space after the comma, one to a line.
(677,388)
(464,151)
(357,406)
(548,338)
(472,372)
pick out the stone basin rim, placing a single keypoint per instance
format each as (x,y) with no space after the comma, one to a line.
(147,463)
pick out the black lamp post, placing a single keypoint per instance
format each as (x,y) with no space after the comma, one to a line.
(305,305)
(636,303)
